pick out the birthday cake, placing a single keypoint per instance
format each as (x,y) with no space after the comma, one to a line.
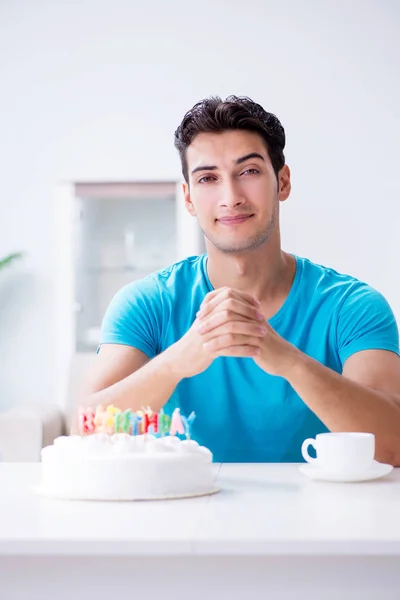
(127,456)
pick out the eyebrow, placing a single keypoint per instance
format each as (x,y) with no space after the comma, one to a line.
(238,161)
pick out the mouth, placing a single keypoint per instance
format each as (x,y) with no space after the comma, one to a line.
(236,220)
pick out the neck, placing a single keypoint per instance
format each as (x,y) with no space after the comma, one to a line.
(265,273)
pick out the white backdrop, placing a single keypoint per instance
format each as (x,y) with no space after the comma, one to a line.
(94,89)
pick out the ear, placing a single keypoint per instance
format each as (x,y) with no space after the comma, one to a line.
(188,203)
(284,183)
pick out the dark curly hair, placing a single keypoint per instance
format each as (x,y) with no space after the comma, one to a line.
(213,115)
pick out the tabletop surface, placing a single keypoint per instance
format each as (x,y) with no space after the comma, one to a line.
(262,509)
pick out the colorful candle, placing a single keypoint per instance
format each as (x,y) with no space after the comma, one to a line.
(122,421)
(150,419)
(126,421)
(118,422)
(134,423)
(140,419)
(100,418)
(187,423)
(110,420)
(176,423)
(190,420)
(90,416)
(164,423)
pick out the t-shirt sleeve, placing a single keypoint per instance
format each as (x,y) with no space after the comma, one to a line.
(366,322)
(134,318)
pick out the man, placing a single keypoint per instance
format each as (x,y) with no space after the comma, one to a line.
(266,347)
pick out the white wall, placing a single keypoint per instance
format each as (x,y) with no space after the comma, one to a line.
(95,89)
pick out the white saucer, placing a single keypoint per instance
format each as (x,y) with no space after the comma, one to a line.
(375,471)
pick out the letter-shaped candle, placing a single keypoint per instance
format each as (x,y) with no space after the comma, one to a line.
(164,422)
(187,423)
(176,423)
(150,419)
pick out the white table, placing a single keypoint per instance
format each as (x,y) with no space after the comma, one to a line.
(271,533)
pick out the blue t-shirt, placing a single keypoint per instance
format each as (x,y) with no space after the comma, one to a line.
(243,414)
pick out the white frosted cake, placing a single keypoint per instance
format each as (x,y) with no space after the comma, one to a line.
(125,467)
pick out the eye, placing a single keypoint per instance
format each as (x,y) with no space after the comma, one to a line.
(251,171)
(206,179)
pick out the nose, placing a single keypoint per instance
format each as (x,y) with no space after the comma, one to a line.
(231,195)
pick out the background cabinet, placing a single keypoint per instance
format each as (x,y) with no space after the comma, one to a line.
(118,240)
(110,234)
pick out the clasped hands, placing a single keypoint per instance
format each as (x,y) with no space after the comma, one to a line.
(230,323)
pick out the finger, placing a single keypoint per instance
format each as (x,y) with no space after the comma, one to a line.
(241,326)
(239,351)
(231,339)
(221,294)
(231,307)
(227,292)
(212,294)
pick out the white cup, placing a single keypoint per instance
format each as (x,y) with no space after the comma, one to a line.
(341,452)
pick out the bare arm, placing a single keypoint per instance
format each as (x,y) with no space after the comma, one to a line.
(365,398)
(126,377)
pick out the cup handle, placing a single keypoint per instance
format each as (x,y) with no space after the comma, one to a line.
(304,449)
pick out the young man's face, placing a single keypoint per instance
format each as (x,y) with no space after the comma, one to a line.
(233,189)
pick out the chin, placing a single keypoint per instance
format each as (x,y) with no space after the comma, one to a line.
(238,246)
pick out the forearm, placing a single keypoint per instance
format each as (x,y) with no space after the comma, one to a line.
(151,385)
(344,405)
